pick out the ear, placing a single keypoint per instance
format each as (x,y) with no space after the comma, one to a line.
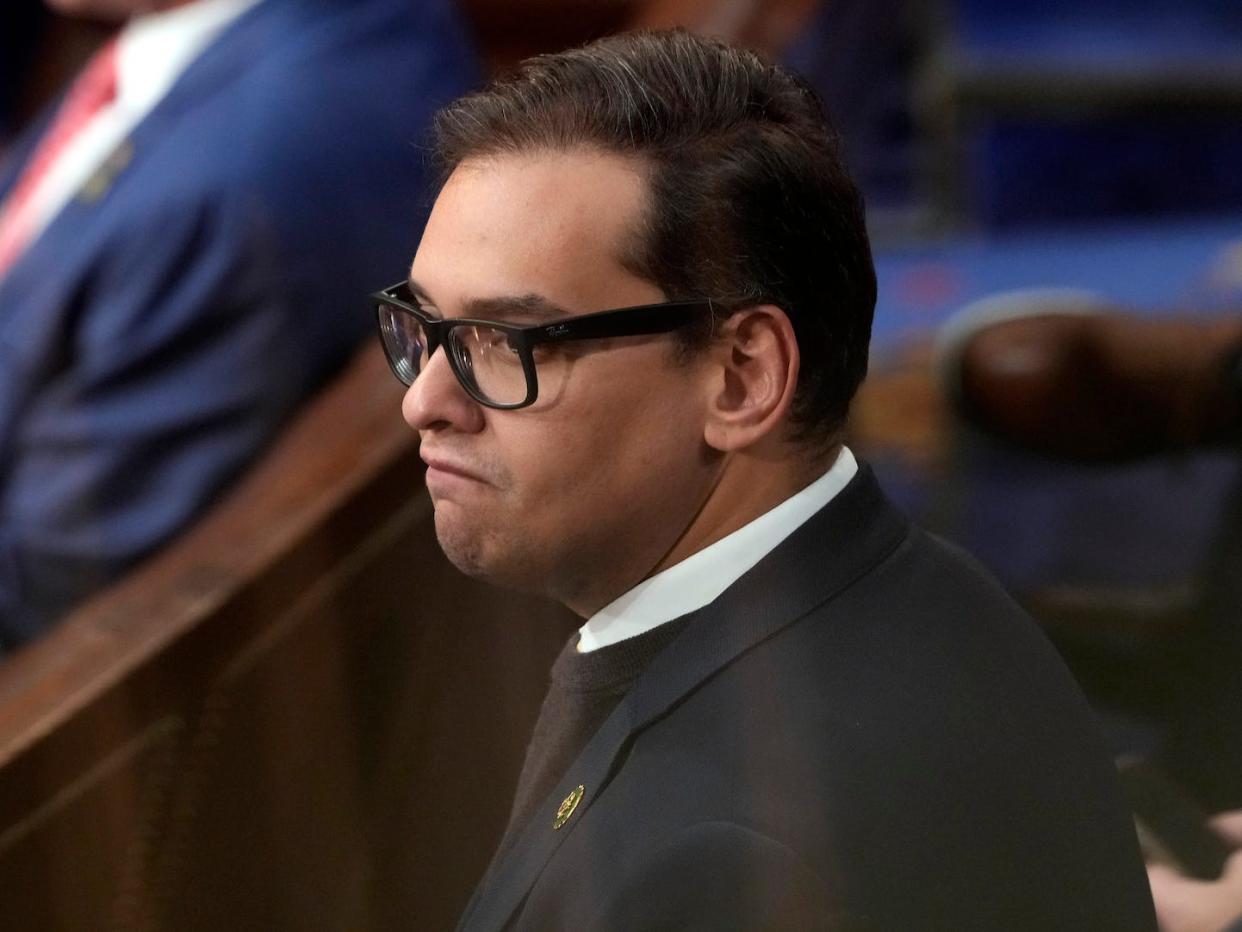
(755,366)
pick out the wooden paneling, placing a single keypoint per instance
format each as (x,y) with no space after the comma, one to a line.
(300,716)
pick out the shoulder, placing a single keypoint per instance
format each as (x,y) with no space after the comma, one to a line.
(325,93)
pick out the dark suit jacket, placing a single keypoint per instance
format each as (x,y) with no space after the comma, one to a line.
(157,334)
(863,732)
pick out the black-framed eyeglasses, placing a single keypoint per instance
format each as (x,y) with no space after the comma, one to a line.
(494,361)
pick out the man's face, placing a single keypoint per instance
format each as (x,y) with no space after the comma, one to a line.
(580,495)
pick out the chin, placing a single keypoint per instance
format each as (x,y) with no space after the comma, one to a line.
(460,553)
(467,551)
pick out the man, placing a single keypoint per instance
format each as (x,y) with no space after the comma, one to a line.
(180,238)
(787,708)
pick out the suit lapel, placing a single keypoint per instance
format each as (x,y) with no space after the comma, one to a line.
(840,544)
(227,57)
(517,867)
(270,27)
(266,28)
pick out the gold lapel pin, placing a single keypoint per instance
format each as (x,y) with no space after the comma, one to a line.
(568,805)
(98,184)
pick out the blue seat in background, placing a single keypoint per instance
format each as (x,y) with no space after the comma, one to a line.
(1066,111)
(1035,170)
(1150,36)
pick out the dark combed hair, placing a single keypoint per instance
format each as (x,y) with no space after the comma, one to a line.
(750,200)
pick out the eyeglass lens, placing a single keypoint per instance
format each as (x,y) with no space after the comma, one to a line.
(483,357)
(404,342)
(488,361)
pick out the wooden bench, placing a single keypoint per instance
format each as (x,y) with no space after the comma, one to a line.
(297,717)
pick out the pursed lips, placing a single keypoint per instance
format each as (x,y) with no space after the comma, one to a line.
(449,467)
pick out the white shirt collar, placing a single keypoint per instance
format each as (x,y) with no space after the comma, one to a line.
(155,48)
(701,577)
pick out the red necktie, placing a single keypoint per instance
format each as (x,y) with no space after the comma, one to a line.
(94,89)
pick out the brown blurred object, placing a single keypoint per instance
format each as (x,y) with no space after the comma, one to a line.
(299,716)
(1103,387)
(510,30)
(900,411)
(766,25)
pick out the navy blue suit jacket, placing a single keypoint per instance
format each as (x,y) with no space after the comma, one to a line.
(863,732)
(154,338)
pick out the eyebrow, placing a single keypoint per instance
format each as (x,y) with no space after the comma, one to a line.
(531,307)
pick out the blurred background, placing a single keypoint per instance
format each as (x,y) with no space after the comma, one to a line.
(1029,160)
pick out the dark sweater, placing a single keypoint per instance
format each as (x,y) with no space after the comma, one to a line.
(585,689)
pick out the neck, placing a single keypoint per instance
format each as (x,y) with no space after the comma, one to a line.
(748,484)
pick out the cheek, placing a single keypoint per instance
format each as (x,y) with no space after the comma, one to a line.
(550,473)
(597,462)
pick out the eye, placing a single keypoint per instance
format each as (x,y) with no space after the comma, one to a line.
(489,338)
(559,351)
(490,344)
(501,343)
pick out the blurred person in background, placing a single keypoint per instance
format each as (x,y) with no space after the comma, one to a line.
(183,239)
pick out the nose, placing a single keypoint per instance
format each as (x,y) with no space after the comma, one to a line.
(436,400)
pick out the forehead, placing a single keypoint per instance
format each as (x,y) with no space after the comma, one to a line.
(549,223)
